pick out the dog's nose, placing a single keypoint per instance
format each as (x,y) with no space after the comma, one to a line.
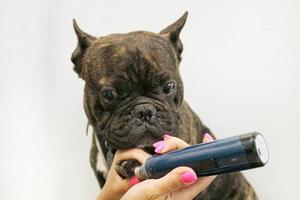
(145,112)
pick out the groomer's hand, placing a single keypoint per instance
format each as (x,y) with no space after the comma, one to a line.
(181,183)
(115,186)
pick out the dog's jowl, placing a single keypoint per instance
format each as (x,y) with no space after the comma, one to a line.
(133,95)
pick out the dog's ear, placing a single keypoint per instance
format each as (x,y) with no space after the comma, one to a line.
(84,41)
(172,32)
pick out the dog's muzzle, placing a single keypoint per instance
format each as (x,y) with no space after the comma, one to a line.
(145,113)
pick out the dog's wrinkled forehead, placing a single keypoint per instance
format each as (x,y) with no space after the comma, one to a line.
(137,51)
(133,57)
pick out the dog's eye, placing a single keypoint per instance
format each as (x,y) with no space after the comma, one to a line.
(108,94)
(169,87)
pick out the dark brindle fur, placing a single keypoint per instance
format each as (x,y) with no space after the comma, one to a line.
(129,102)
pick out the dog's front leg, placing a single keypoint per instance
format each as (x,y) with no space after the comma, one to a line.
(98,162)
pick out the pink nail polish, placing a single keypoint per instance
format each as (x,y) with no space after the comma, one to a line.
(166,136)
(156,144)
(188,177)
(159,148)
(133,181)
(209,137)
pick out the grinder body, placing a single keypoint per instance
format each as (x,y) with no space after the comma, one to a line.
(221,156)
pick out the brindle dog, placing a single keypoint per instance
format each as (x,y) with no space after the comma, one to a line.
(133,95)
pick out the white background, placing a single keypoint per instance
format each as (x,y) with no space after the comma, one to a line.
(241,69)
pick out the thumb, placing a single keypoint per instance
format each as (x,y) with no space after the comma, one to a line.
(174,180)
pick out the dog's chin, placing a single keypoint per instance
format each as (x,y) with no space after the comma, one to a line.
(146,143)
(143,136)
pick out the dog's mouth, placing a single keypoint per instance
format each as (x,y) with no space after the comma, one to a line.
(148,149)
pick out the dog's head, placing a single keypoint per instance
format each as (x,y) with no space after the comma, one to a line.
(133,90)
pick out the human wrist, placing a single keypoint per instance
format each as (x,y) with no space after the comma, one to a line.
(108,194)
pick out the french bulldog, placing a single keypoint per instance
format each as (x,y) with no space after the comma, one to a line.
(133,95)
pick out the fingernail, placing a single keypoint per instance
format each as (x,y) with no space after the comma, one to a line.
(156,144)
(166,136)
(188,177)
(133,181)
(208,137)
(159,148)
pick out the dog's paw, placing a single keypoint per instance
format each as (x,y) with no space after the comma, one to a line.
(125,168)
